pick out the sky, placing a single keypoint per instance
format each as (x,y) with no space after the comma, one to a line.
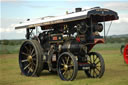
(15,11)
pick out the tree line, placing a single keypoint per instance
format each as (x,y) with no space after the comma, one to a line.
(108,40)
(117,40)
(11,42)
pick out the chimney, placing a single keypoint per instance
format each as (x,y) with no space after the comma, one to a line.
(78,9)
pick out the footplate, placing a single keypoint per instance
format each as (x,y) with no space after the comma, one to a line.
(84,66)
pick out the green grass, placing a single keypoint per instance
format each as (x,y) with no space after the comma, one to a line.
(108,46)
(116,72)
(9,49)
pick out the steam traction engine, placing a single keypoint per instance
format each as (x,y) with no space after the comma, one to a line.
(124,51)
(64,44)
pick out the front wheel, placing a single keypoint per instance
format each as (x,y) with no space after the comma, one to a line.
(67,66)
(97,66)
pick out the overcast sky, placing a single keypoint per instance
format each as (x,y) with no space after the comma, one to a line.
(15,11)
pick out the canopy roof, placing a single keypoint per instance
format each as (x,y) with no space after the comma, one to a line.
(97,14)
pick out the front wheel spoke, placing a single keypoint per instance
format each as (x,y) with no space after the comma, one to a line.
(98,62)
(91,72)
(95,72)
(95,59)
(62,64)
(31,69)
(64,72)
(71,63)
(98,70)
(98,66)
(62,69)
(26,66)
(71,72)
(90,59)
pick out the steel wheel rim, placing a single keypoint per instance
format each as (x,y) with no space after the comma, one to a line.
(66,67)
(28,59)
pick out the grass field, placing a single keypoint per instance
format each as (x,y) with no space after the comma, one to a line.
(9,49)
(116,72)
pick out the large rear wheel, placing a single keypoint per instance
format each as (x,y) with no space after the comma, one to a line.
(97,67)
(30,60)
(67,66)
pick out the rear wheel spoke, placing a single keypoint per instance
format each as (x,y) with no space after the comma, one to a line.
(34,59)
(26,49)
(26,66)
(30,49)
(32,52)
(25,54)
(33,55)
(33,64)
(24,60)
